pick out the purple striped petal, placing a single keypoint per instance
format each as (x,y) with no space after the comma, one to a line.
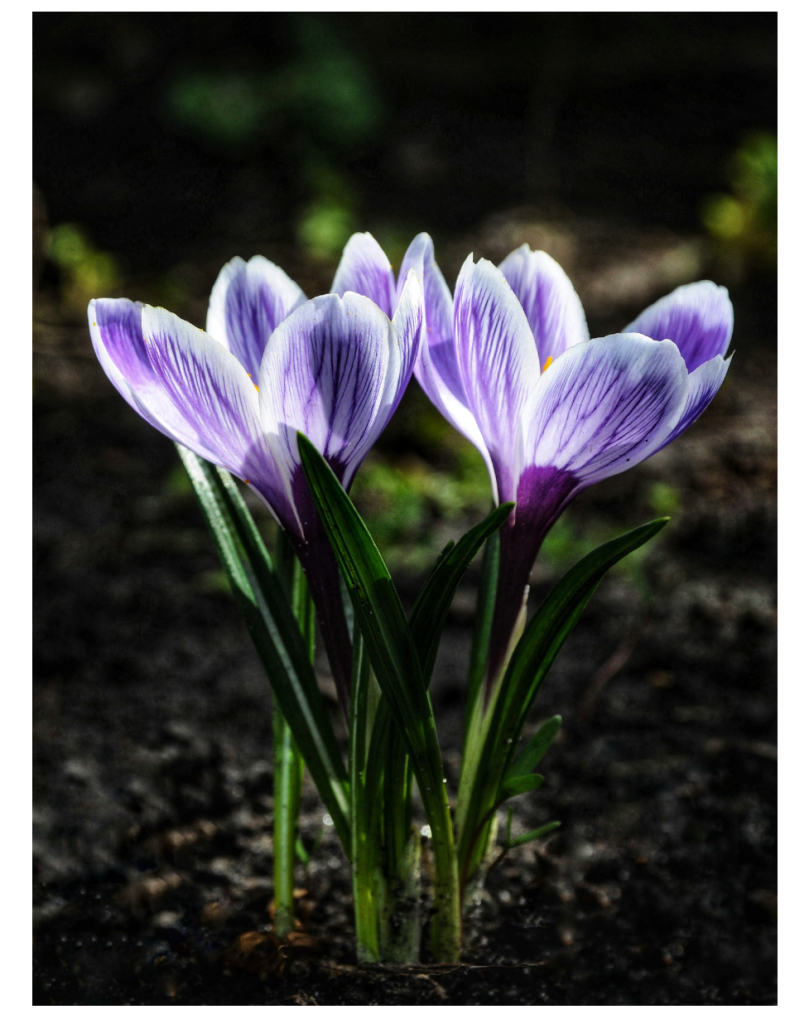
(698,318)
(436,366)
(703,385)
(408,327)
(332,371)
(604,406)
(498,364)
(365,269)
(117,336)
(549,299)
(211,391)
(420,257)
(247,303)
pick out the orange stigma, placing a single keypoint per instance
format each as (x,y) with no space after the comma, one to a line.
(548,362)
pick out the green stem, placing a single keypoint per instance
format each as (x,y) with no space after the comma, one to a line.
(288,776)
(446,929)
(287,793)
(484,614)
(364,863)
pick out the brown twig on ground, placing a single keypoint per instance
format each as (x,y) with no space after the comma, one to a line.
(611,667)
(422,970)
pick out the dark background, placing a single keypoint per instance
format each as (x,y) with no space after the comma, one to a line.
(639,150)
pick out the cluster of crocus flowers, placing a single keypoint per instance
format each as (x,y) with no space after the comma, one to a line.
(511,365)
(271,364)
(508,362)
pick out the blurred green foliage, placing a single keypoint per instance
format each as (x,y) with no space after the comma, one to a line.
(664,499)
(319,106)
(744,223)
(407,503)
(323,94)
(85,271)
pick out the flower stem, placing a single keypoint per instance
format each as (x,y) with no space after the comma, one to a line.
(364,862)
(288,776)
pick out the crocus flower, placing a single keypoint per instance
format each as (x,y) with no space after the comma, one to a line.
(511,365)
(270,364)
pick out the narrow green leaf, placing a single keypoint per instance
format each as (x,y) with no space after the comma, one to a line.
(484,615)
(397,668)
(364,852)
(537,833)
(265,607)
(529,665)
(536,748)
(431,607)
(376,602)
(516,784)
(551,625)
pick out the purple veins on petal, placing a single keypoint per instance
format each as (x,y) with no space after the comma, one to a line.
(697,317)
(211,391)
(117,335)
(420,257)
(549,299)
(365,269)
(332,365)
(498,363)
(408,328)
(247,303)
(602,406)
(703,385)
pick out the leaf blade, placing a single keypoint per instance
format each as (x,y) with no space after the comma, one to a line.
(536,748)
(431,607)
(274,631)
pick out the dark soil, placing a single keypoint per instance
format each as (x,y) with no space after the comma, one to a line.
(153,755)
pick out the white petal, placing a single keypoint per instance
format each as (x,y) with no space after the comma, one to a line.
(545,292)
(603,405)
(247,303)
(365,269)
(330,369)
(498,364)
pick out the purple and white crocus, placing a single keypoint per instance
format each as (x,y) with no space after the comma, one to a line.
(271,364)
(511,365)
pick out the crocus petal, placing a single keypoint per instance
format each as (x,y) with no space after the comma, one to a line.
(365,269)
(698,318)
(211,391)
(549,299)
(436,367)
(247,303)
(603,406)
(703,385)
(408,327)
(330,368)
(117,336)
(498,363)
(420,257)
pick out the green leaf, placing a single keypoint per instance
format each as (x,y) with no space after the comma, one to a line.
(535,749)
(265,607)
(484,615)
(431,607)
(551,625)
(373,595)
(397,668)
(529,665)
(537,833)
(516,784)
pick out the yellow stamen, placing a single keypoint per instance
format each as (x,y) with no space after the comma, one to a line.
(548,362)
